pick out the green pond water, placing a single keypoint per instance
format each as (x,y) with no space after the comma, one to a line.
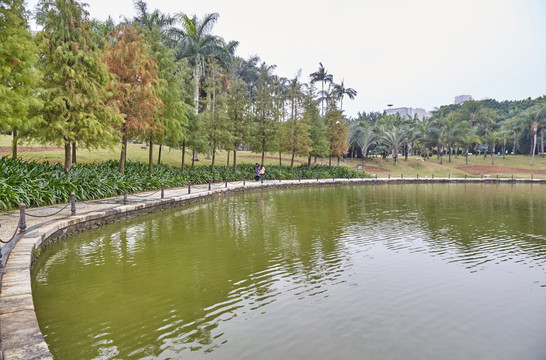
(442,271)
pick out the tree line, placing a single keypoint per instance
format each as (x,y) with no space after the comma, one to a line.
(161,78)
(169,80)
(474,127)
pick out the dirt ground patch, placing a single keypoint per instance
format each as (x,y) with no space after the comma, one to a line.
(492,169)
(28,149)
(284,160)
(374,169)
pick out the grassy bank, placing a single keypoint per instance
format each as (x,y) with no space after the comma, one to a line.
(517,166)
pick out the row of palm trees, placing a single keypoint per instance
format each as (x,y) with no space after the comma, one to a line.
(469,128)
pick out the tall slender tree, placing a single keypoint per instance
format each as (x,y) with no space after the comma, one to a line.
(340,91)
(76,108)
(321,75)
(264,126)
(135,90)
(19,76)
(337,135)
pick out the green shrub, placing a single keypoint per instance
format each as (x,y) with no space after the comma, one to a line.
(41,184)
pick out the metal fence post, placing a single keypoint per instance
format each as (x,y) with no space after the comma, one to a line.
(124,196)
(162,191)
(73,203)
(226,182)
(189,187)
(244,180)
(209,184)
(401,176)
(22,220)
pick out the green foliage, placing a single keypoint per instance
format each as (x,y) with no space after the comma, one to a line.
(19,77)
(75,80)
(41,184)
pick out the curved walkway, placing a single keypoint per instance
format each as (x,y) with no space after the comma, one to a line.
(20,335)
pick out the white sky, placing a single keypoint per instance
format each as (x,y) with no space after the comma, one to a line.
(414,53)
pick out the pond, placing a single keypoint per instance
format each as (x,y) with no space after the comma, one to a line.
(421,271)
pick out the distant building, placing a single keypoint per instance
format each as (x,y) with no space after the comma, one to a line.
(408,112)
(459,99)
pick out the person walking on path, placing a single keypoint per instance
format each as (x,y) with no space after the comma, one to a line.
(257,172)
(262,172)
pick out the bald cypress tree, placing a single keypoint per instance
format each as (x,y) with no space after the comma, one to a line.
(19,77)
(75,110)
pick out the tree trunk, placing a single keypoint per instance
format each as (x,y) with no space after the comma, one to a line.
(542,142)
(292,161)
(213,157)
(228,154)
(280,158)
(67,157)
(533,149)
(315,159)
(14,144)
(74,153)
(263,157)
(234,160)
(196,104)
(151,156)
(329,161)
(123,154)
(193,158)
(449,151)
(504,149)
(493,154)
(159,154)
(183,155)
(309,163)
(514,144)
(338,159)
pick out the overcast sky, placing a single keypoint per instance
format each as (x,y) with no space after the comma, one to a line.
(418,53)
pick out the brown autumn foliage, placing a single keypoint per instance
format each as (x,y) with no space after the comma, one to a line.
(135,88)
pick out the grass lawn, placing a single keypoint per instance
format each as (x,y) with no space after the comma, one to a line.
(518,166)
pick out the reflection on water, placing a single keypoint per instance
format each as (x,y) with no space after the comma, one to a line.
(380,272)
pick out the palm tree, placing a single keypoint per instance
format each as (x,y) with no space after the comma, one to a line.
(393,138)
(468,139)
(322,76)
(534,118)
(340,90)
(363,135)
(492,138)
(154,20)
(196,43)
(424,134)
